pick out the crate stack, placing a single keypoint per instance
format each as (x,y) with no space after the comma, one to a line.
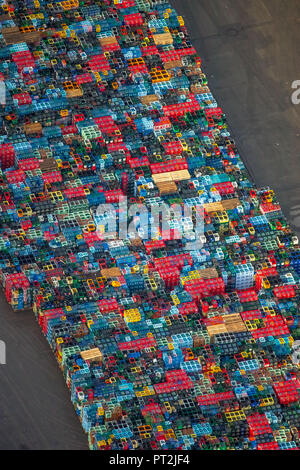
(178,335)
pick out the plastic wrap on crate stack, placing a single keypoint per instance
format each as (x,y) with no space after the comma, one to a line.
(164,343)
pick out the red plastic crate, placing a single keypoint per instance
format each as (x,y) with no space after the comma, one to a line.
(268,446)
(108,305)
(248,295)
(268,207)
(26,224)
(259,424)
(72,193)
(137,162)
(117,146)
(215,398)
(69,130)
(154,245)
(7,155)
(23,59)
(78,117)
(274,326)
(57,272)
(188,51)
(124,4)
(149,50)
(99,62)
(188,308)
(15,281)
(284,292)
(168,56)
(167,166)
(286,392)
(162,123)
(173,148)
(22,98)
(170,276)
(29,164)
(260,275)
(225,188)
(177,261)
(91,237)
(52,176)
(251,315)
(138,344)
(212,113)
(113,195)
(84,78)
(49,315)
(16,176)
(175,380)
(199,288)
(134,19)
(180,109)
(106,124)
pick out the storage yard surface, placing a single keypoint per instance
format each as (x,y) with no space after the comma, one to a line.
(249,52)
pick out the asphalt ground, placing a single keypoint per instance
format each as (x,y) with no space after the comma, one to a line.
(250,55)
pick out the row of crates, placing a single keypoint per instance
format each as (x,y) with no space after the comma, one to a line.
(165,282)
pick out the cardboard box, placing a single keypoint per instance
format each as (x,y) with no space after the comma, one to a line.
(230,204)
(13,35)
(163,39)
(34,128)
(161,177)
(48,164)
(108,40)
(208,273)
(167,187)
(173,64)
(216,329)
(213,207)
(110,273)
(77,92)
(234,323)
(180,175)
(169,176)
(148,99)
